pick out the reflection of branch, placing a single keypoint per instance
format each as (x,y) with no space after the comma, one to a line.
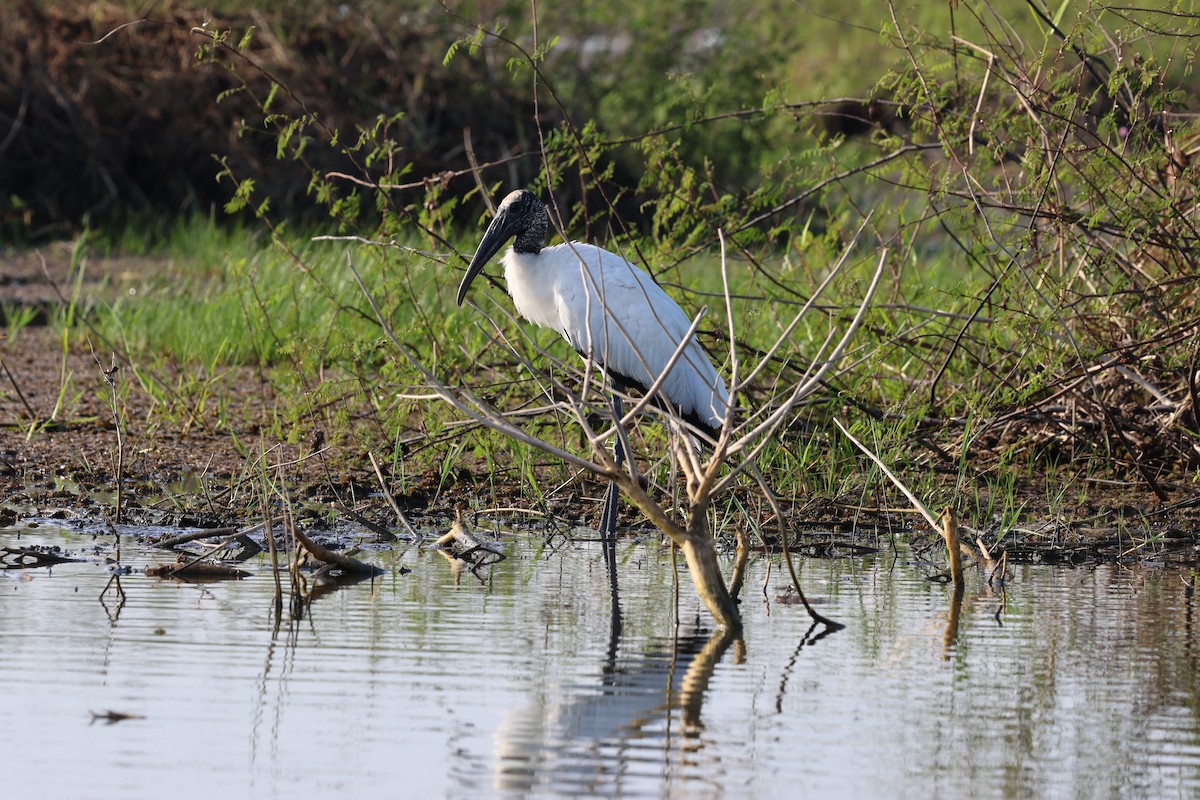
(699,673)
(614,594)
(197,570)
(950,638)
(457,565)
(787,669)
(114,583)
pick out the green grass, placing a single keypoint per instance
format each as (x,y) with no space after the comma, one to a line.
(291,310)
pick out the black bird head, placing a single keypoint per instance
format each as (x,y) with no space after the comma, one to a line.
(521,214)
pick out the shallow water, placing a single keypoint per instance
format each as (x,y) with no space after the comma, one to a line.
(421,685)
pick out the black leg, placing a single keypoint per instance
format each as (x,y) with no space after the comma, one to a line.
(608,518)
(608,531)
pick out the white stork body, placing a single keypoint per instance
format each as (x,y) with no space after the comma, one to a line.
(610,310)
(607,309)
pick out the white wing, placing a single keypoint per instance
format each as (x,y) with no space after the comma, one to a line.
(641,332)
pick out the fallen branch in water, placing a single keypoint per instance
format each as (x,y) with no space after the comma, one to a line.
(208,533)
(946,525)
(251,547)
(470,547)
(328,556)
(29,558)
(382,534)
(391,500)
(197,569)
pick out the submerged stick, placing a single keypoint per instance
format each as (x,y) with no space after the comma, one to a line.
(949,530)
(739,565)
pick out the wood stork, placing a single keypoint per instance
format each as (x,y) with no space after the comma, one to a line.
(610,311)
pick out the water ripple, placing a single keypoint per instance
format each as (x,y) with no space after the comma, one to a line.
(518,684)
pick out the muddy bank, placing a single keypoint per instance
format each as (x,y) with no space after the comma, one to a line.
(210,474)
(191,464)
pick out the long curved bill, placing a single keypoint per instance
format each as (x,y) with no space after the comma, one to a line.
(502,229)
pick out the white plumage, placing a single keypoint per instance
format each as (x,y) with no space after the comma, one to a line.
(570,287)
(635,341)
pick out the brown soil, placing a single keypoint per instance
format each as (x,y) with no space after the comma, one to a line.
(194,476)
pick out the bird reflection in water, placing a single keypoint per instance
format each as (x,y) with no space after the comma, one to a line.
(593,736)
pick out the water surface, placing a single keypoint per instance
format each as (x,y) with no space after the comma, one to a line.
(516,682)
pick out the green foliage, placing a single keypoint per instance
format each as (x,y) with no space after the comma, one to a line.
(1035,200)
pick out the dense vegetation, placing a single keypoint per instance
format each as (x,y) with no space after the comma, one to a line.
(1030,172)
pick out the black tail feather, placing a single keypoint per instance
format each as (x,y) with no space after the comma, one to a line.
(623,384)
